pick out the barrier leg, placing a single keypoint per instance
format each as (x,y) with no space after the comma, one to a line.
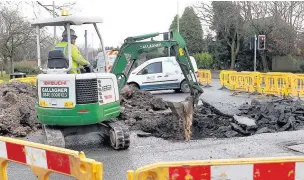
(41,174)
(255,92)
(98,168)
(222,83)
(130,175)
(207,85)
(223,88)
(3,166)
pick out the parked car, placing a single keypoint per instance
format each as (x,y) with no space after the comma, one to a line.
(162,73)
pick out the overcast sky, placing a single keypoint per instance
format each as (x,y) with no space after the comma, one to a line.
(123,18)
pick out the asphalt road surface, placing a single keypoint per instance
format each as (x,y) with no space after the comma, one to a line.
(144,151)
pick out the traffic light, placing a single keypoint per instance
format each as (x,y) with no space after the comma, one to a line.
(261,42)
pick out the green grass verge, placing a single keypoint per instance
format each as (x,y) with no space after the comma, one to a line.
(5,77)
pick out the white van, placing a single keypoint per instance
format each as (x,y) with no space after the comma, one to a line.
(162,73)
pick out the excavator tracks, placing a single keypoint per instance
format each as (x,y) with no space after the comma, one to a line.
(116,132)
(119,135)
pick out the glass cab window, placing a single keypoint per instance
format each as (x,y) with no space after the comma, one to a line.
(152,69)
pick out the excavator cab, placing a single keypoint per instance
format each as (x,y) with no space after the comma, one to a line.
(56,60)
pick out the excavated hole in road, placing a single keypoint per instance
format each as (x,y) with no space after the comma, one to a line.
(143,111)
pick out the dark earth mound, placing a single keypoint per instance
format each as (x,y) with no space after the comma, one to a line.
(17,109)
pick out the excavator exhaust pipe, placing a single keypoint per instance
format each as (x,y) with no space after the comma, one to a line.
(183,115)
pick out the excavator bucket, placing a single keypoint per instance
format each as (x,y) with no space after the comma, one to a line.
(183,115)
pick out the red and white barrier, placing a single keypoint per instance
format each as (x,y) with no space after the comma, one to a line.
(271,171)
(44,160)
(274,168)
(35,157)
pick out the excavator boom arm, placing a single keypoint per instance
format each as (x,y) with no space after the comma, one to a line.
(134,46)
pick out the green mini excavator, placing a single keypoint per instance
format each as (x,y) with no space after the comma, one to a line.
(72,104)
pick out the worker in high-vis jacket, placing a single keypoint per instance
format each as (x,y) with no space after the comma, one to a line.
(77,59)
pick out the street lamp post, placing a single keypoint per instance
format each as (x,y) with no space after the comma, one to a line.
(254,62)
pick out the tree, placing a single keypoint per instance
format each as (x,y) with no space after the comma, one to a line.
(15,33)
(281,22)
(191,29)
(58,7)
(225,19)
(18,38)
(273,20)
(173,25)
(292,12)
(207,42)
(221,53)
(228,22)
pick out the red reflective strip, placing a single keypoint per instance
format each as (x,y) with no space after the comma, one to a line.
(83,111)
(275,171)
(58,162)
(190,172)
(16,152)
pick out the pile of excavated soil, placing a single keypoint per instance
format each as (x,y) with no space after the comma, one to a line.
(17,109)
(143,100)
(138,106)
(142,111)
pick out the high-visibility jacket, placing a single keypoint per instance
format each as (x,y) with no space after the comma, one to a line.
(77,58)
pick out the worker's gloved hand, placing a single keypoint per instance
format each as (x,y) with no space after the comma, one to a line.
(88,68)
